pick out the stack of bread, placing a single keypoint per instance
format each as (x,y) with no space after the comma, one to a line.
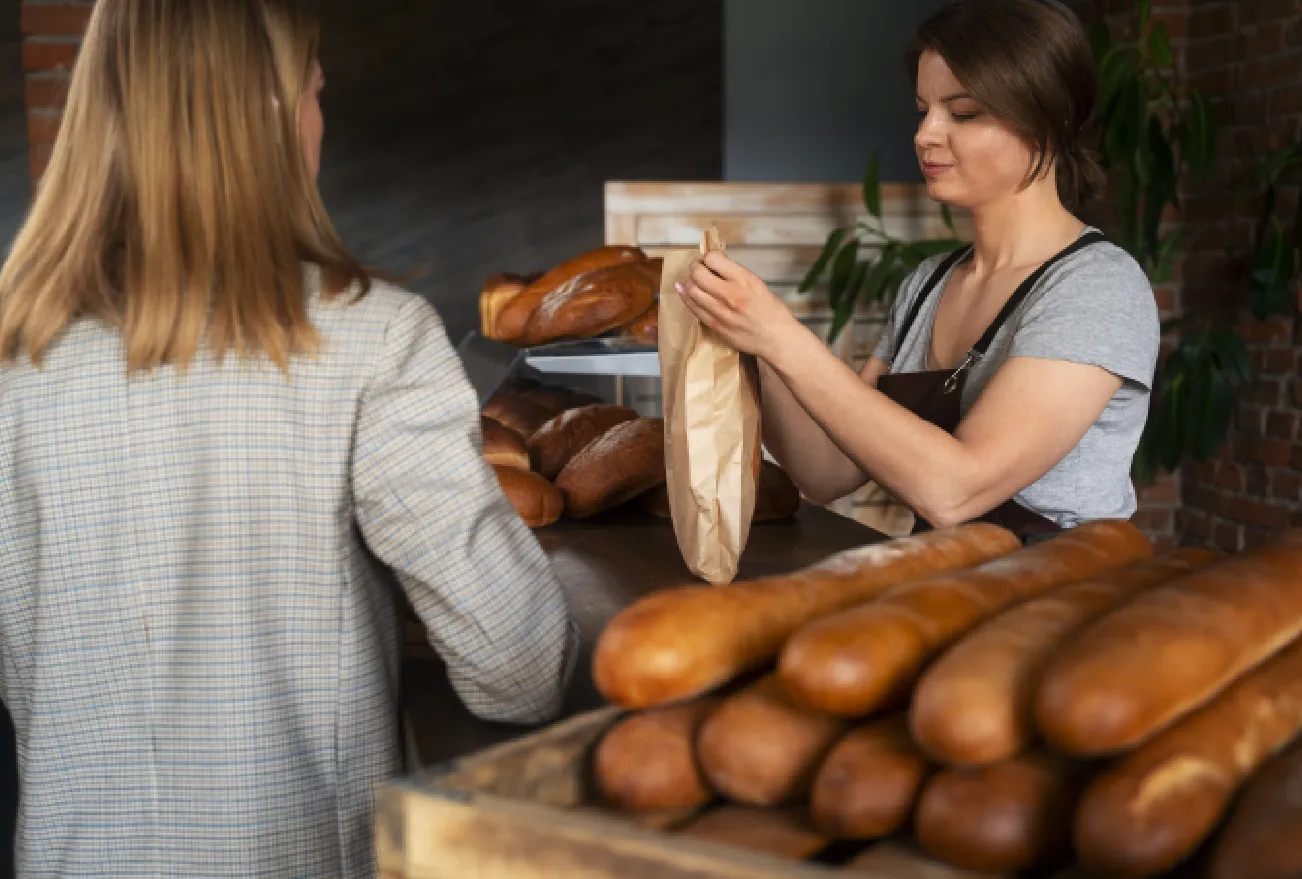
(558,452)
(1078,707)
(610,289)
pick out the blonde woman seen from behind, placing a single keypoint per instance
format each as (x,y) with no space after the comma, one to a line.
(221,447)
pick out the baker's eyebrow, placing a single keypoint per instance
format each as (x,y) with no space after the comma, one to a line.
(960,96)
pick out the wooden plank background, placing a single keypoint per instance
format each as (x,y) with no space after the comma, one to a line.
(776,230)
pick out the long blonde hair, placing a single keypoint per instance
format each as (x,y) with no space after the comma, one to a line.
(177,204)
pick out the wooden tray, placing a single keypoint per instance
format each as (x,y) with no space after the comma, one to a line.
(523,810)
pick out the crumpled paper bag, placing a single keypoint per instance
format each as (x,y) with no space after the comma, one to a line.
(710,397)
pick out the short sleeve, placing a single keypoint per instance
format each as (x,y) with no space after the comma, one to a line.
(1098,309)
(430,508)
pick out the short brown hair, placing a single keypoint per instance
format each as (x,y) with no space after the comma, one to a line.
(1029,63)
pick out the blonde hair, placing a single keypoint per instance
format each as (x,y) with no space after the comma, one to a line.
(177,205)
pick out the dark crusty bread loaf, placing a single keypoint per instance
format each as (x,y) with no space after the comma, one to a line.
(848,663)
(556,399)
(498,290)
(1263,837)
(623,462)
(680,643)
(760,749)
(503,447)
(513,411)
(559,440)
(514,316)
(534,498)
(1011,815)
(786,833)
(896,858)
(1155,806)
(645,328)
(867,786)
(646,762)
(592,304)
(973,705)
(1115,684)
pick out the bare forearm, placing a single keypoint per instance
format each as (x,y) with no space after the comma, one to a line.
(819,469)
(918,462)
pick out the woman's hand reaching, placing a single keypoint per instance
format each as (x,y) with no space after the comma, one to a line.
(733,302)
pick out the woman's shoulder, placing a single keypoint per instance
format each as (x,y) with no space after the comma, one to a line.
(1105,263)
(376,307)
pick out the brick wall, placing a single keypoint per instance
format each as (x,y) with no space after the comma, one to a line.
(1246,55)
(51,34)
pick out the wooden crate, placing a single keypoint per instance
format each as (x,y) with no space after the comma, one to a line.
(524,810)
(776,230)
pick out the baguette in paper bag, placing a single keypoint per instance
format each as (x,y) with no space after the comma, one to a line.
(710,398)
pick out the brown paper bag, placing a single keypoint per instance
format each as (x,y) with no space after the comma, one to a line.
(710,397)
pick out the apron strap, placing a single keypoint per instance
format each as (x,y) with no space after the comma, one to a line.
(954,258)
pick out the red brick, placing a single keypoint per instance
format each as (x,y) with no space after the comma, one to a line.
(1256,482)
(43,126)
(53,53)
(1273,453)
(1165,491)
(1268,72)
(1256,11)
(51,18)
(1177,23)
(1257,538)
(1197,497)
(1220,81)
(1279,361)
(1265,392)
(1247,111)
(47,90)
(1164,295)
(1281,425)
(37,158)
(1204,472)
(1296,463)
(1286,101)
(1264,40)
(1154,522)
(1228,537)
(1293,35)
(1163,544)
(1275,329)
(1229,477)
(1194,523)
(1262,513)
(1297,393)
(1250,420)
(1286,485)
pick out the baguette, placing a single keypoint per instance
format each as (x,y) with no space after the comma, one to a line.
(867,786)
(503,447)
(1013,815)
(1157,805)
(616,467)
(1116,684)
(680,643)
(1263,837)
(592,303)
(973,706)
(514,315)
(759,749)
(647,761)
(850,662)
(559,440)
(785,833)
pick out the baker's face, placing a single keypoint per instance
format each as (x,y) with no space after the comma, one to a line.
(968,157)
(311,124)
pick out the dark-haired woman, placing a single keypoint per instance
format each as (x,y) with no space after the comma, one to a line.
(1011,380)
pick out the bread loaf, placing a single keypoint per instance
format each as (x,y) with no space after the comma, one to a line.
(646,762)
(776,496)
(867,786)
(558,400)
(591,304)
(759,749)
(1115,684)
(503,447)
(785,833)
(1156,806)
(898,859)
(623,462)
(514,317)
(559,440)
(1263,837)
(848,663)
(645,328)
(497,291)
(973,706)
(683,642)
(516,413)
(534,498)
(1013,815)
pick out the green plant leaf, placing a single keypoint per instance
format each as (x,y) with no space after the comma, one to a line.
(1270,283)
(1144,9)
(932,247)
(843,313)
(1159,46)
(1199,145)
(842,267)
(1100,39)
(948,216)
(820,265)
(1167,253)
(872,187)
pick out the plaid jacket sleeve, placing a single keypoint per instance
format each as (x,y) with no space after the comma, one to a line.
(430,507)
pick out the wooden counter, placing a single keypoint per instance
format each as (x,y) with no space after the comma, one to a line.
(605,564)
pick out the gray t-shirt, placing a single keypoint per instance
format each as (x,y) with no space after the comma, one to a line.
(1096,307)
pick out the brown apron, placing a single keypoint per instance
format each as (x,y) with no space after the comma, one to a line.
(935,395)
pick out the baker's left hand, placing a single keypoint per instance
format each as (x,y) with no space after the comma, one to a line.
(733,302)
